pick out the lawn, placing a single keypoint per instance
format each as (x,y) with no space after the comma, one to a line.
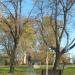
(19,70)
(69,70)
(22,70)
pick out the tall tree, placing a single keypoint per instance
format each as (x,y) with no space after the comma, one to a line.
(12,24)
(59,11)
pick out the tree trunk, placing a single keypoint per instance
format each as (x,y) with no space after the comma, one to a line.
(12,60)
(57,59)
(57,63)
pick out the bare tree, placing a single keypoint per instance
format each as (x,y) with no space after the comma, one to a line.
(61,29)
(7,43)
(12,24)
(56,10)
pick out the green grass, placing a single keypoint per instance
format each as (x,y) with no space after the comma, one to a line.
(22,70)
(19,70)
(69,71)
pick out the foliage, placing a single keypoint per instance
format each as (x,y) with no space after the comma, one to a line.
(26,41)
(48,30)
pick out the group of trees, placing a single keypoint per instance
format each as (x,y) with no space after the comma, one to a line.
(52,18)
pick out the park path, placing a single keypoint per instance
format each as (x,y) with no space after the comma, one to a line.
(30,71)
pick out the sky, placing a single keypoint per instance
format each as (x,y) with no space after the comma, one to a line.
(26,7)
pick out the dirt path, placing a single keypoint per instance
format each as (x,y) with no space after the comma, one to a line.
(30,71)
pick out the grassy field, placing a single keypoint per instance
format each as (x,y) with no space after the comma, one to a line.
(22,70)
(19,70)
(69,71)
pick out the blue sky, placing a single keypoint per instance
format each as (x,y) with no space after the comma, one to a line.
(26,7)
